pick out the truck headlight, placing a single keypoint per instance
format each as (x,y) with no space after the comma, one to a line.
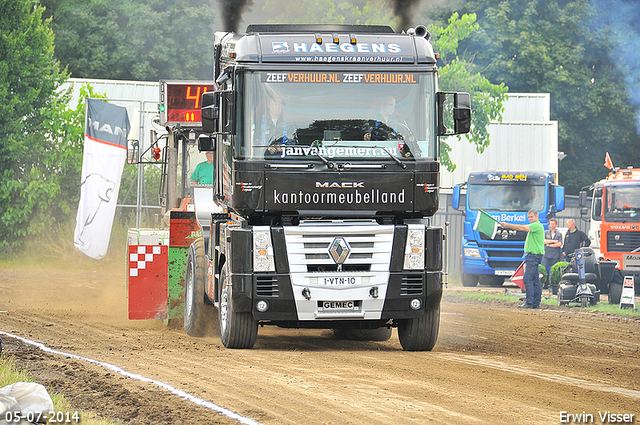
(472,252)
(262,250)
(414,250)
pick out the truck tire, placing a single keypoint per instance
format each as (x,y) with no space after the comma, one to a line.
(380,334)
(199,317)
(469,280)
(615,293)
(420,334)
(237,330)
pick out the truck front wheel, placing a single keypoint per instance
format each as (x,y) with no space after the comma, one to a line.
(237,330)
(420,334)
(198,316)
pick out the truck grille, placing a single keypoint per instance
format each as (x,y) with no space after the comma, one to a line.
(505,264)
(622,241)
(308,246)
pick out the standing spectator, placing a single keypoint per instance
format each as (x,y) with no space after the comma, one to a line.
(552,246)
(573,240)
(203,174)
(533,252)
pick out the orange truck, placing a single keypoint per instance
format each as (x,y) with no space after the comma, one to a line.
(615,223)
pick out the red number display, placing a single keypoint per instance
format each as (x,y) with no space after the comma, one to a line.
(183,102)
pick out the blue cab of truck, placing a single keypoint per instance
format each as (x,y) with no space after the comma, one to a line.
(506,196)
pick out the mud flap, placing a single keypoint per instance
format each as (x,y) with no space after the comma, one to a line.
(147,282)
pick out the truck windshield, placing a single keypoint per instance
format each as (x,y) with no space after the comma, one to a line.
(337,115)
(622,203)
(506,197)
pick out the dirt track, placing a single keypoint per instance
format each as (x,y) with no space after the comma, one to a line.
(492,364)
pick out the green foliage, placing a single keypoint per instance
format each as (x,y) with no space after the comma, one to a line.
(143,40)
(543,271)
(28,73)
(557,270)
(551,46)
(29,77)
(458,75)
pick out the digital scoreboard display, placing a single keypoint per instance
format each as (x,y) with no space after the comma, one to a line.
(180,102)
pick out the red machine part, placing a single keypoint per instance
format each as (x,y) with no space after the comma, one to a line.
(148,281)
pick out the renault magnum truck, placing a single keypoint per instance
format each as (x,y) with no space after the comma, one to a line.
(326,168)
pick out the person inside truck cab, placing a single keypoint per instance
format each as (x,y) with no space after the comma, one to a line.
(271,128)
(391,126)
(203,174)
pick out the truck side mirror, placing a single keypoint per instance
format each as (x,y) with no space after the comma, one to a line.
(582,198)
(462,113)
(209,112)
(228,108)
(455,199)
(206,143)
(559,198)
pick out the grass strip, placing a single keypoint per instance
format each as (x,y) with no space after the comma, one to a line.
(484,297)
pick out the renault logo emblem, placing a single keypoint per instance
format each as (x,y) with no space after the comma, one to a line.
(339,250)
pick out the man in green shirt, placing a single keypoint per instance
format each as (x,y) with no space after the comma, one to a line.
(203,174)
(533,253)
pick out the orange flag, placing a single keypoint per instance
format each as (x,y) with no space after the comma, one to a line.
(607,161)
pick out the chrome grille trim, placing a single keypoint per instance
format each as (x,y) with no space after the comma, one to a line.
(308,244)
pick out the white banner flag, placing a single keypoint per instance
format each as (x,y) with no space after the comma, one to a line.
(105,152)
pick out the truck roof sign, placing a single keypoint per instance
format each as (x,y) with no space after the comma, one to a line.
(507,176)
(334,48)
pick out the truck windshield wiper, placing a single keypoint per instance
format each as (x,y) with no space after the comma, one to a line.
(397,161)
(400,163)
(330,165)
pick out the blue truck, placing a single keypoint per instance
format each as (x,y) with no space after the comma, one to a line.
(507,196)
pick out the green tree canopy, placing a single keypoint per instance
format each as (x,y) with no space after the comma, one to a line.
(550,46)
(29,77)
(143,40)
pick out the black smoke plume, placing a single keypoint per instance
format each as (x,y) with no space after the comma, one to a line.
(405,9)
(232,13)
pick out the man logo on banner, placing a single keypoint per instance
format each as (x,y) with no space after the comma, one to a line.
(105,152)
